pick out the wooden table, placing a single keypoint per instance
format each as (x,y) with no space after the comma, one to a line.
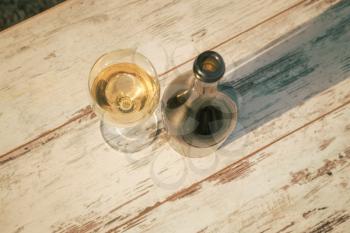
(285,169)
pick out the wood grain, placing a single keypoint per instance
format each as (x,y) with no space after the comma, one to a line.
(245,43)
(75,183)
(43,81)
(259,202)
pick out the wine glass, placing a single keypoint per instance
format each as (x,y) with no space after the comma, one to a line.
(124,90)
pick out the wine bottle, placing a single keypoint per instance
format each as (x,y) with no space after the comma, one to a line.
(197,116)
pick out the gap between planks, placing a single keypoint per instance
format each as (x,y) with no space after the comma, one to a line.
(50,134)
(55,7)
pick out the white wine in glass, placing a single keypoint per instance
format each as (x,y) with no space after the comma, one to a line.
(125,93)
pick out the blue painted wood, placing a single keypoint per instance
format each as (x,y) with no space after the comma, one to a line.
(314,58)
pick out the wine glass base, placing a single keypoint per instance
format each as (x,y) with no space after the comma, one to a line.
(132,139)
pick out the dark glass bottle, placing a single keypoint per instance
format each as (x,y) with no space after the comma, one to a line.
(197,116)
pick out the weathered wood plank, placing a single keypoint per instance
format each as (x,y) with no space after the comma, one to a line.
(245,43)
(46,64)
(299,184)
(115,190)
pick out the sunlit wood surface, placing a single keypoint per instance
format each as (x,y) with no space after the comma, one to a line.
(285,169)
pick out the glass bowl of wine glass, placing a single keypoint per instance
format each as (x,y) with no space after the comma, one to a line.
(124,91)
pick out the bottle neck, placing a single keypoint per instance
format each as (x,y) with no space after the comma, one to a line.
(203,88)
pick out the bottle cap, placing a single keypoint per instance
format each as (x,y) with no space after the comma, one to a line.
(209,67)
